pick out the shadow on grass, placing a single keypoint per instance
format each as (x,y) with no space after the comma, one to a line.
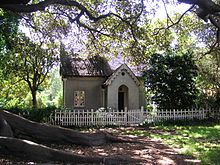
(199,138)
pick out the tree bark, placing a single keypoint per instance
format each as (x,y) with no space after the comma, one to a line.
(29,151)
(34,97)
(14,2)
(43,133)
(5,129)
(14,128)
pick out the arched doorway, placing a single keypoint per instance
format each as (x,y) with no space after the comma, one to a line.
(122,97)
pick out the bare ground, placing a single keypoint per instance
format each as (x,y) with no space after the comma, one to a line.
(147,151)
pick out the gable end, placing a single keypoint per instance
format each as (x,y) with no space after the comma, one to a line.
(120,70)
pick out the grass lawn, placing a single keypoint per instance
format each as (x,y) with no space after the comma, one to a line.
(199,139)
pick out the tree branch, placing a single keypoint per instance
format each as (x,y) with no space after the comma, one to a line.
(4,2)
(41,6)
(173,23)
(207,5)
(168,17)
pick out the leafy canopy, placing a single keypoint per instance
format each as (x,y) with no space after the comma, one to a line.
(29,62)
(171,80)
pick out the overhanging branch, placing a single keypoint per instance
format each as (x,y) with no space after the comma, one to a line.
(41,6)
(173,23)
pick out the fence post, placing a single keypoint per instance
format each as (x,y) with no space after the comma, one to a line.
(203,113)
(126,116)
(142,113)
(60,119)
(92,116)
(55,117)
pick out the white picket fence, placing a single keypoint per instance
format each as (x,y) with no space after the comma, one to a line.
(102,117)
(97,117)
(181,114)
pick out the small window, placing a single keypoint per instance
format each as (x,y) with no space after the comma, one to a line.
(79,98)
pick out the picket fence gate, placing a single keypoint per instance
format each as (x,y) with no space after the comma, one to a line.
(103,117)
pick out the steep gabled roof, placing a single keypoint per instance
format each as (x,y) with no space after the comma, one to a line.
(119,70)
(95,66)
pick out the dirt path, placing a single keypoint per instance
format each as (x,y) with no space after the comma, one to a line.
(148,151)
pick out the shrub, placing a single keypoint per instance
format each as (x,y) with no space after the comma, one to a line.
(38,115)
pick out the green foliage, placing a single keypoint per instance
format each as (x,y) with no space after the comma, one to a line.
(15,93)
(38,115)
(29,62)
(209,79)
(52,95)
(12,92)
(171,80)
(8,29)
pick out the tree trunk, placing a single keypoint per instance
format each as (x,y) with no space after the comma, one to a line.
(43,133)
(5,129)
(13,128)
(34,98)
(29,151)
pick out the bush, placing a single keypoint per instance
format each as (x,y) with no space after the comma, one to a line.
(38,115)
